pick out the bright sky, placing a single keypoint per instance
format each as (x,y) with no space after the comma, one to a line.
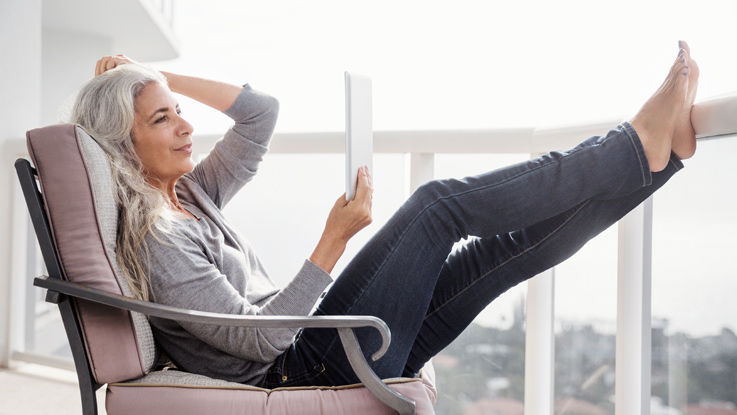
(471,64)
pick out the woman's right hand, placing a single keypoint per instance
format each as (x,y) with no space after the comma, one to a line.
(347,218)
(109,62)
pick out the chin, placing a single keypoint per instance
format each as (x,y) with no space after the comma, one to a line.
(189,167)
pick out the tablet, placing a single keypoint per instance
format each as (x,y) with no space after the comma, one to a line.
(359,135)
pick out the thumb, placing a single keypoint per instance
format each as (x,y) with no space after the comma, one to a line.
(341,200)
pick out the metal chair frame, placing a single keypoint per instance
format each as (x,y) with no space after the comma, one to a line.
(66,294)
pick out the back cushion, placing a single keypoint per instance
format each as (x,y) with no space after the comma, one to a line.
(76,183)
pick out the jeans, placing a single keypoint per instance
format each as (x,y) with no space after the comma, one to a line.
(529,217)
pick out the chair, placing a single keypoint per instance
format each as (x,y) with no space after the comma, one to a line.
(75,219)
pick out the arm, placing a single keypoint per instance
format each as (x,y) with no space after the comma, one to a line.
(327,252)
(218,95)
(235,159)
(183,276)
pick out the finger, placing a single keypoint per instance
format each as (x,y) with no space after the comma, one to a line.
(97,67)
(363,188)
(103,65)
(109,64)
(367,175)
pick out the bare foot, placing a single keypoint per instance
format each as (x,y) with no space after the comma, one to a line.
(684,137)
(655,123)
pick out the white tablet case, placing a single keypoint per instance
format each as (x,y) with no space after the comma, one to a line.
(359,135)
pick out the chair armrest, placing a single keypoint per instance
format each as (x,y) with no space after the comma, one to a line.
(174,313)
(344,325)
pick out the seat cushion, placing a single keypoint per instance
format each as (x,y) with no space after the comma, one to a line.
(172,391)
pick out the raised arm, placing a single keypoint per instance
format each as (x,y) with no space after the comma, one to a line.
(234,160)
(216,94)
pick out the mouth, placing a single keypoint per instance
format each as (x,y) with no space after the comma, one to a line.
(187,148)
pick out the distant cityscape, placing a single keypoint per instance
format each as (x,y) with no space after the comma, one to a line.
(482,372)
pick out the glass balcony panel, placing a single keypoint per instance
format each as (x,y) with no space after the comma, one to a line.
(694,316)
(585,327)
(482,371)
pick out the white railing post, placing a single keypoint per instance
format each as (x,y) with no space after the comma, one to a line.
(540,342)
(634,273)
(421,170)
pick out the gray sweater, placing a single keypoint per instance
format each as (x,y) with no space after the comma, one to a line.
(211,268)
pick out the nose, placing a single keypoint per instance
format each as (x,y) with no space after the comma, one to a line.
(185,127)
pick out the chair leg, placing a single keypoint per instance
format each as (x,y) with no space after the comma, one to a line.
(87,385)
(89,400)
(367,376)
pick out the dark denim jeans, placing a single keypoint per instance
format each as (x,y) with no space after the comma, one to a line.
(529,217)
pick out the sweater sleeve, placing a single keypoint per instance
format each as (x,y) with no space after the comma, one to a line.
(183,276)
(235,158)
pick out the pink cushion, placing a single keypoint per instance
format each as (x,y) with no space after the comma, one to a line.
(232,399)
(109,334)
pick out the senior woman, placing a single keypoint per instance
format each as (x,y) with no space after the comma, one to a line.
(176,247)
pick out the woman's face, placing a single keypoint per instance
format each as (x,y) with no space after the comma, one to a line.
(162,139)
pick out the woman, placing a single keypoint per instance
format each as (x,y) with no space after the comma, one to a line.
(176,248)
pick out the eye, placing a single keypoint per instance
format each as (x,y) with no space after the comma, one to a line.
(163,117)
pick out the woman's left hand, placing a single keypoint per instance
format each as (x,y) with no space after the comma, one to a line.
(109,62)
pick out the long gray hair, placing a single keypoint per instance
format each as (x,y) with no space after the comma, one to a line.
(105,108)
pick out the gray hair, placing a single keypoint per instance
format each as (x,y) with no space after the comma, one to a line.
(105,108)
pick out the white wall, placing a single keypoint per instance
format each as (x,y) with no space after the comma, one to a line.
(20,107)
(66,68)
(40,71)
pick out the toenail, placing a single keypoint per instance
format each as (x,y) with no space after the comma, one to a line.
(684,74)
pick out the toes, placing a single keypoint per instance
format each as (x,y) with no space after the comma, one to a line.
(679,69)
(682,57)
(683,45)
(681,60)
